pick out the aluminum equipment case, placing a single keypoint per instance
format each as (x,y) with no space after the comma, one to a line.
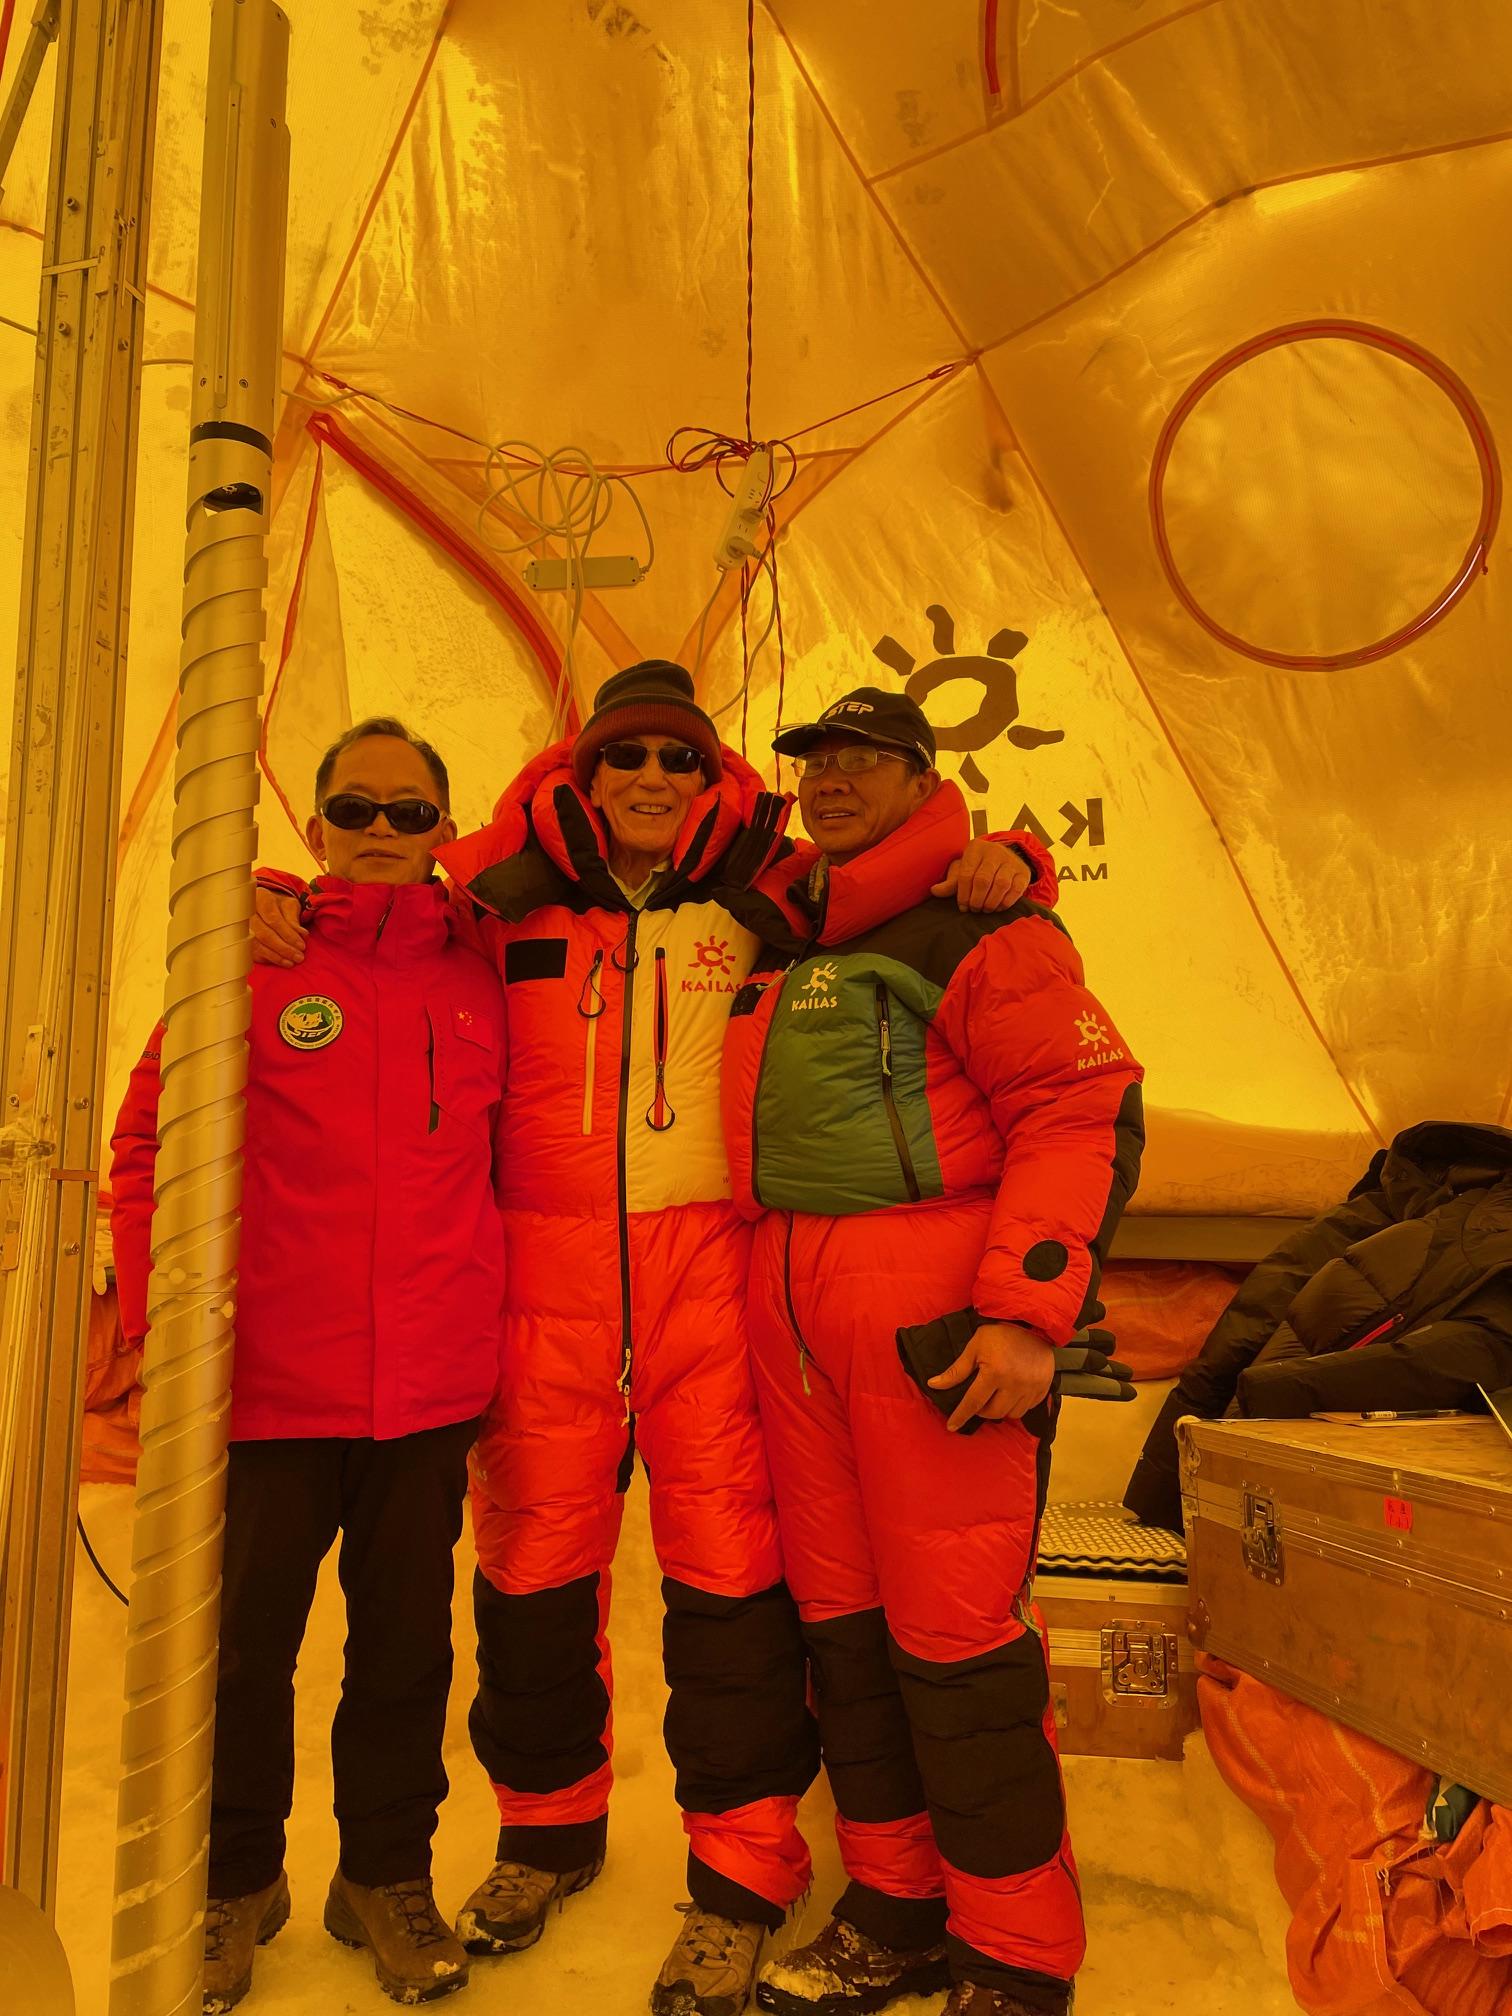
(1113,1598)
(1367,1570)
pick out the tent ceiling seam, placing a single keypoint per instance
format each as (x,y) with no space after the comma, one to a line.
(401,133)
(1007,116)
(1218,202)
(822,106)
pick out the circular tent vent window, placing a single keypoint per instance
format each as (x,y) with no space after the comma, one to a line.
(1323,495)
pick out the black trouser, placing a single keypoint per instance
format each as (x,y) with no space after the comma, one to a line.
(398,1508)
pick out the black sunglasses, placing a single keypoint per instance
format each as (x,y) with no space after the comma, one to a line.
(676,758)
(354,814)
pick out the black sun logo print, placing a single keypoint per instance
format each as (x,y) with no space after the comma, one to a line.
(997,711)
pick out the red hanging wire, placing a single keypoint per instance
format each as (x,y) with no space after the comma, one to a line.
(750,208)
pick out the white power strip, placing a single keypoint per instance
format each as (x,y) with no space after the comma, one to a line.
(747,512)
(599,570)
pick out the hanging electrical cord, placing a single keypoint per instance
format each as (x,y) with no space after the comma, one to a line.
(766,562)
(562,498)
(94,1559)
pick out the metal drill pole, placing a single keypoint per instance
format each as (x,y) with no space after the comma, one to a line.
(57,906)
(167,1731)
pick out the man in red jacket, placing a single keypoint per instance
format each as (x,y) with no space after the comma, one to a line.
(367,1347)
(942,1126)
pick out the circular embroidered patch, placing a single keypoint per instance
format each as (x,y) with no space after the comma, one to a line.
(310,1022)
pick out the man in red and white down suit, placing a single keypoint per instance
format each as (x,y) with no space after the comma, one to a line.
(367,1347)
(940,1126)
(624,886)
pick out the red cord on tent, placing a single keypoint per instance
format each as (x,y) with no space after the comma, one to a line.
(989,48)
(7,10)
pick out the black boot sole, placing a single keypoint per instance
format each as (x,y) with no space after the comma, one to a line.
(928,1980)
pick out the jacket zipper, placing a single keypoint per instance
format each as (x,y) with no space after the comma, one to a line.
(894,1119)
(660,1117)
(593,993)
(626,1019)
(430,1071)
(787,1292)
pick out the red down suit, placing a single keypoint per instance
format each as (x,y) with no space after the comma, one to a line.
(372,1277)
(935,1115)
(625,1331)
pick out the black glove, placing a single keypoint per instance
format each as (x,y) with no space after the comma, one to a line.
(1086,1373)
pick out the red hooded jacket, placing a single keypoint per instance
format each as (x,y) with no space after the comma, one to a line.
(372,1264)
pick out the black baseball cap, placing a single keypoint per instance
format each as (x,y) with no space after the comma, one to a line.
(870,715)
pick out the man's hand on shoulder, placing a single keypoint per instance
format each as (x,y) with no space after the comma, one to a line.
(1011,1370)
(988,876)
(278,937)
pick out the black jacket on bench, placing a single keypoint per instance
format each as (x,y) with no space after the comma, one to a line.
(1401,1297)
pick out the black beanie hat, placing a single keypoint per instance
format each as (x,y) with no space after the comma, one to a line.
(653,698)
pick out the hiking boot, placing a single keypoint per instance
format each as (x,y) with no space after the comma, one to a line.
(711,1967)
(234,1928)
(844,1973)
(970,1998)
(507,1912)
(414,1953)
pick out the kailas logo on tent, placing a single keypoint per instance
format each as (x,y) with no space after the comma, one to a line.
(817,987)
(999,705)
(1074,822)
(310,1022)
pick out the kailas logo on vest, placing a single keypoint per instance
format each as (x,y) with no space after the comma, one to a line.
(712,962)
(311,1022)
(1092,1031)
(817,986)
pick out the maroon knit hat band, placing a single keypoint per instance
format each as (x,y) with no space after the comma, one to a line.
(651,699)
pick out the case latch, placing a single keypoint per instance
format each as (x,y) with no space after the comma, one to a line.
(1261,1543)
(1138,1662)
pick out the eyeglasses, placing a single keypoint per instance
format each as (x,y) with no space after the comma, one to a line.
(850,761)
(354,814)
(676,758)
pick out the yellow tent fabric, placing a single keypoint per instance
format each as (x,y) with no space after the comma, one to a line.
(1136,357)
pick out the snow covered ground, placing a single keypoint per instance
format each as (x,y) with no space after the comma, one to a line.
(1184,1915)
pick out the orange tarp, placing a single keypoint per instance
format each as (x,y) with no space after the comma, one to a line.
(1387,1921)
(1161,1311)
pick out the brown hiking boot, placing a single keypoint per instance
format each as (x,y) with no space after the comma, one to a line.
(844,1973)
(970,1998)
(234,1928)
(711,1967)
(507,1912)
(413,1951)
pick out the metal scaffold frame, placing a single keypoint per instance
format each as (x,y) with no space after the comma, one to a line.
(57,905)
